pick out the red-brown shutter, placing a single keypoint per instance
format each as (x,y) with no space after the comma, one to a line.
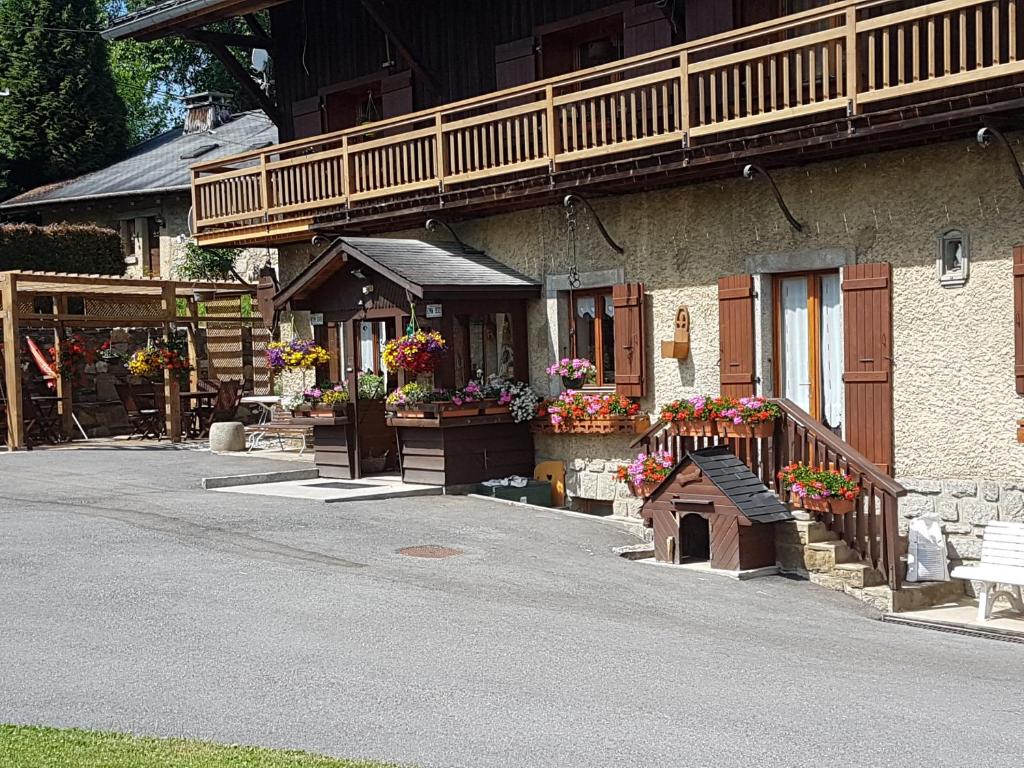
(515,63)
(645,29)
(396,95)
(1018,316)
(630,345)
(867,349)
(736,358)
(306,118)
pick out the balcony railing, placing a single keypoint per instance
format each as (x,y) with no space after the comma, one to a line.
(843,58)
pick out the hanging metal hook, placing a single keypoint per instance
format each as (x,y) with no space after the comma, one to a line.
(570,203)
(985,136)
(750,171)
(433,224)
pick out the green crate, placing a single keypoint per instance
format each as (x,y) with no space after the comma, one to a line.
(536,492)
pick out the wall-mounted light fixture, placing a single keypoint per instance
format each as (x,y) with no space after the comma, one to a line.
(750,171)
(984,138)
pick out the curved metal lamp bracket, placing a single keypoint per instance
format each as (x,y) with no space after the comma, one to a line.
(432,225)
(571,201)
(985,136)
(321,241)
(750,171)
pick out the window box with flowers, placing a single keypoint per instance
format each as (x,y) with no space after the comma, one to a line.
(747,417)
(646,472)
(819,490)
(697,417)
(574,412)
(497,397)
(332,400)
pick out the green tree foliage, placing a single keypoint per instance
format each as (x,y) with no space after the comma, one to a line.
(153,77)
(199,263)
(64,116)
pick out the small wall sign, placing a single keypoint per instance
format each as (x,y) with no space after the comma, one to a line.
(316,318)
(433,311)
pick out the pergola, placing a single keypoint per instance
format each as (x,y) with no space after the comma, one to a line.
(43,299)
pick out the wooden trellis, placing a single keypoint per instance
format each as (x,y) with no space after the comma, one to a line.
(64,302)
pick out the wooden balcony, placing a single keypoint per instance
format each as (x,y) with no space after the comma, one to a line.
(846,60)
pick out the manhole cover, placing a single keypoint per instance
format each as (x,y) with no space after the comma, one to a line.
(429,550)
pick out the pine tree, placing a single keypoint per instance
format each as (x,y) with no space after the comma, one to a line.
(64,116)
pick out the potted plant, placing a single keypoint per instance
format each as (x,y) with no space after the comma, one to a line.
(517,397)
(403,402)
(646,472)
(333,401)
(297,405)
(371,386)
(696,416)
(574,372)
(819,490)
(417,352)
(748,417)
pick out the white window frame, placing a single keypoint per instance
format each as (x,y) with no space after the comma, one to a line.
(953,278)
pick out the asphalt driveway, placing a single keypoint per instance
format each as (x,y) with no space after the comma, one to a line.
(132,600)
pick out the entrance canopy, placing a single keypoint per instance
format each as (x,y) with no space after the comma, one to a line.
(424,270)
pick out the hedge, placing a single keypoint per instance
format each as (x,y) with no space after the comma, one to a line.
(79,248)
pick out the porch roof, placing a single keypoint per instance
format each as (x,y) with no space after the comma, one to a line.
(171,16)
(420,267)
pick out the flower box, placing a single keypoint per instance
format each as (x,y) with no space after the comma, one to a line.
(644,490)
(760,429)
(597,425)
(703,428)
(329,411)
(828,504)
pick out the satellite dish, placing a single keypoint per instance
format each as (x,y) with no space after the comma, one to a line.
(260,60)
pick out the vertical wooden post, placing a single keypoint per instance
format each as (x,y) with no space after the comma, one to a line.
(352,382)
(440,164)
(852,76)
(12,362)
(172,407)
(684,95)
(334,351)
(63,387)
(193,345)
(346,170)
(552,133)
(264,185)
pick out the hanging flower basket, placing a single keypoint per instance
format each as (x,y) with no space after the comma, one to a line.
(417,352)
(296,355)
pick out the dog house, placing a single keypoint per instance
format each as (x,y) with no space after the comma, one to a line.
(712,507)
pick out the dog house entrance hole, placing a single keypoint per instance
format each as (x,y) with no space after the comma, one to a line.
(694,538)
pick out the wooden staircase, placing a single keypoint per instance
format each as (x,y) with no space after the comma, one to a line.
(854,552)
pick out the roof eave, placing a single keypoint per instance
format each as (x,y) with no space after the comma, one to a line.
(13,205)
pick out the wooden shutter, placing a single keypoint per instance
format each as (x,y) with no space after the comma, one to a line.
(515,63)
(306,118)
(867,351)
(1018,316)
(396,95)
(645,29)
(736,358)
(630,342)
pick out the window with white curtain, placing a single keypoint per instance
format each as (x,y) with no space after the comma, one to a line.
(832,393)
(796,342)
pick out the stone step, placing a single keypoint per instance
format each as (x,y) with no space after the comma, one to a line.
(823,556)
(799,532)
(912,597)
(859,575)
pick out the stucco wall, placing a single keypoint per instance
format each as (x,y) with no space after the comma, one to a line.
(955,406)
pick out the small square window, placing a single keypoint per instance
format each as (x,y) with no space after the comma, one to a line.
(953,260)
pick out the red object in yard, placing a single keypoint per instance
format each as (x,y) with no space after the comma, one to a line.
(45,366)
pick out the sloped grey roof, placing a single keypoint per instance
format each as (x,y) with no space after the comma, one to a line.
(432,265)
(722,467)
(159,165)
(418,266)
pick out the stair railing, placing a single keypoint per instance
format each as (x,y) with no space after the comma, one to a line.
(871,530)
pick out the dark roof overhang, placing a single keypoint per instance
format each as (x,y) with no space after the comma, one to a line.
(172,16)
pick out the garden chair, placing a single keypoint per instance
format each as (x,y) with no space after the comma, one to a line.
(40,426)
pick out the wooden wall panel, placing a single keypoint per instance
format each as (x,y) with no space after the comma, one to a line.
(1018,317)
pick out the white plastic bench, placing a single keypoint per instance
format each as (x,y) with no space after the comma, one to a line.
(1002,563)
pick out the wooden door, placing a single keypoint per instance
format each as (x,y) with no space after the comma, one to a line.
(867,332)
(737,362)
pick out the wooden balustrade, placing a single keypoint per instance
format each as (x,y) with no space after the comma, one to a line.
(835,59)
(871,530)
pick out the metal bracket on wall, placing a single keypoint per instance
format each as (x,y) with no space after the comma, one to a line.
(571,201)
(432,225)
(750,171)
(985,136)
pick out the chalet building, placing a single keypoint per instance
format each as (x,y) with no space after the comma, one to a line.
(146,195)
(829,188)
